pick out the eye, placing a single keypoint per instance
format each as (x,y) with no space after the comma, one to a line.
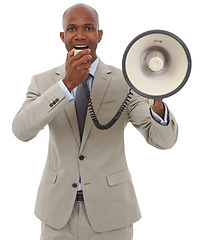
(71,29)
(89,28)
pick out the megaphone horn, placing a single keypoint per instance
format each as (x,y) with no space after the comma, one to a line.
(156,64)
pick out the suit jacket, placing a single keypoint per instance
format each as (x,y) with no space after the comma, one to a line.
(109,195)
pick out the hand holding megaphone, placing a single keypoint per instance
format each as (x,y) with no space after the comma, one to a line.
(77,67)
(157,106)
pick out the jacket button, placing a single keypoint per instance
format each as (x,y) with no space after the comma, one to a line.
(74,185)
(81,157)
(51,104)
(57,100)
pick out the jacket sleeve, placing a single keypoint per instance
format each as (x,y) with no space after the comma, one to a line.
(162,137)
(37,110)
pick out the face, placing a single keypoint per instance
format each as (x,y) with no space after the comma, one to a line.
(81,30)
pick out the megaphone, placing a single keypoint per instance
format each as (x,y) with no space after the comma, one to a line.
(156,64)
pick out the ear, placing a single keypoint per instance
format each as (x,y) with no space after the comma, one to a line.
(62,36)
(100,34)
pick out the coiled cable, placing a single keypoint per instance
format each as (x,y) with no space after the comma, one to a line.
(115,118)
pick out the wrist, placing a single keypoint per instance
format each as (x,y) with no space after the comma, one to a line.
(159,109)
(68,85)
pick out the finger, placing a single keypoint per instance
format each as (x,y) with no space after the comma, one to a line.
(86,58)
(82,53)
(83,60)
(86,65)
(70,54)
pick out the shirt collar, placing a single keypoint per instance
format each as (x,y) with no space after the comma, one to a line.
(93,67)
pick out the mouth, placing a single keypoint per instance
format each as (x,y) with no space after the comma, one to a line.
(81,47)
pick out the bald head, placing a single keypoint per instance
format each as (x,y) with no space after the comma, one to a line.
(79,10)
(81,28)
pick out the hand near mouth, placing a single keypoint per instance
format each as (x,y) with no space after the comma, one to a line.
(77,68)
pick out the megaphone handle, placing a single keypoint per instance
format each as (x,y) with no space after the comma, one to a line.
(151,102)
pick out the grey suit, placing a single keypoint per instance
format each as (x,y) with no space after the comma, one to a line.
(109,195)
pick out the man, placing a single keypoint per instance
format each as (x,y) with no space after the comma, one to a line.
(86,190)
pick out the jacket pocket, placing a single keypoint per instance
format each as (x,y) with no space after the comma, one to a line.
(118,177)
(50,175)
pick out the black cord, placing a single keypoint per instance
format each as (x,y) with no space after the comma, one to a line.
(115,118)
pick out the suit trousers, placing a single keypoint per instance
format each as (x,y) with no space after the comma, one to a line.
(79,228)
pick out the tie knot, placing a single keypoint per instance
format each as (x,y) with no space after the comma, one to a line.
(87,77)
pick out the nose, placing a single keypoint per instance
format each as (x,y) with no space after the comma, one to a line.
(80,35)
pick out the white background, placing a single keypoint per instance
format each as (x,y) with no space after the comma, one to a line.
(169,183)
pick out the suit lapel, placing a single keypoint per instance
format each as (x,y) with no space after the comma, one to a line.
(101,81)
(70,107)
